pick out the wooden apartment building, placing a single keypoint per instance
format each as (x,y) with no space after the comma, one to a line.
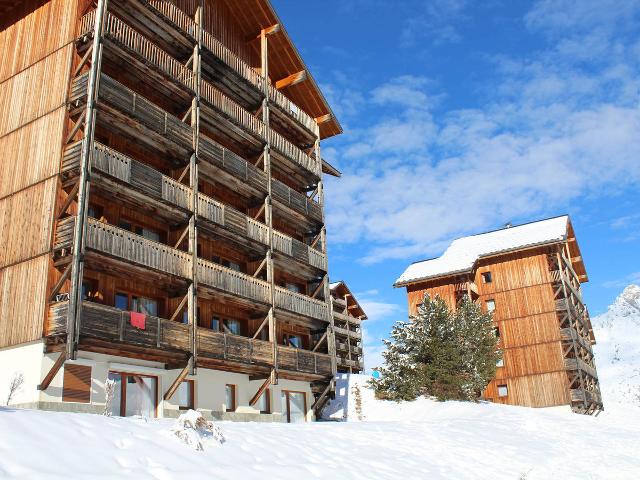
(347,318)
(162,209)
(529,276)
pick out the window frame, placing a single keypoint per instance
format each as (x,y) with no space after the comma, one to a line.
(506,390)
(287,406)
(487,277)
(234,394)
(267,395)
(492,302)
(192,397)
(123,390)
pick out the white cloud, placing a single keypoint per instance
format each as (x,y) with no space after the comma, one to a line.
(632,278)
(435,23)
(553,130)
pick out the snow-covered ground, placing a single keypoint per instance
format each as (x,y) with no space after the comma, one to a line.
(382,440)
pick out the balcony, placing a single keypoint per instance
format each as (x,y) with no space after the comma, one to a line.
(233,63)
(572,364)
(234,283)
(216,103)
(345,362)
(300,251)
(570,334)
(343,332)
(581,395)
(343,317)
(172,135)
(301,304)
(111,326)
(344,347)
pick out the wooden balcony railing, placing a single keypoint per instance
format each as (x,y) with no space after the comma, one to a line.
(579,364)
(581,395)
(569,334)
(137,108)
(110,324)
(345,362)
(130,39)
(301,304)
(298,250)
(298,360)
(137,174)
(236,283)
(124,245)
(295,200)
(343,317)
(291,109)
(348,333)
(344,347)
(176,16)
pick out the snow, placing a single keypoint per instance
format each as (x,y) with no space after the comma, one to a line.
(462,254)
(617,350)
(380,439)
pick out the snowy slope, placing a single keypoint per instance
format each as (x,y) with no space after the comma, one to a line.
(617,351)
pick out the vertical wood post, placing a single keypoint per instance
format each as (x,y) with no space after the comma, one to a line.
(268,212)
(192,303)
(77,260)
(331,337)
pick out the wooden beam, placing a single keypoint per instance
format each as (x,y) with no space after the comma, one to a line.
(322,339)
(182,237)
(318,288)
(260,267)
(54,370)
(255,217)
(260,391)
(323,118)
(82,62)
(176,383)
(265,31)
(183,173)
(69,199)
(264,322)
(56,288)
(292,79)
(322,395)
(179,309)
(75,129)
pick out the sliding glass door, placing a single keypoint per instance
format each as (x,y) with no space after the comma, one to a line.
(294,405)
(134,394)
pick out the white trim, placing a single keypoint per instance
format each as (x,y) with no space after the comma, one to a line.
(129,368)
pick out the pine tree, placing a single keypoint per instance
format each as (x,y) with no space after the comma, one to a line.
(448,355)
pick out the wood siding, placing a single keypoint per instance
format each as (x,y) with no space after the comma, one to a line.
(525,313)
(23,297)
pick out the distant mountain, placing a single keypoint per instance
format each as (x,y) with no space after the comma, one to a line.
(617,351)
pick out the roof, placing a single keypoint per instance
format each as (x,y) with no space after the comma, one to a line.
(463,253)
(284,60)
(340,288)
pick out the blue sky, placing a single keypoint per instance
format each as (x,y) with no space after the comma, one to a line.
(461,116)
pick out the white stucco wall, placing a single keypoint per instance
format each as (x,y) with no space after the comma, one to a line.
(26,359)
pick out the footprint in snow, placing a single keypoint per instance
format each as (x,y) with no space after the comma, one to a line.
(123,443)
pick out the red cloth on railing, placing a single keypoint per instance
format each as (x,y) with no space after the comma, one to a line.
(138,320)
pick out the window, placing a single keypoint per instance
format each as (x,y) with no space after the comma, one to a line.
(294,406)
(496,330)
(230,398)
(486,277)
(94,211)
(122,301)
(148,306)
(134,394)
(89,289)
(500,363)
(264,402)
(502,391)
(215,324)
(491,305)
(291,340)
(233,266)
(76,384)
(292,287)
(184,395)
(232,326)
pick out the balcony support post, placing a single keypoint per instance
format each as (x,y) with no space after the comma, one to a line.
(192,303)
(77,265)
(268,204)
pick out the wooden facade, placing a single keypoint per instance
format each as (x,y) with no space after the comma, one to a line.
(167,151)
(348,316)
(543,326)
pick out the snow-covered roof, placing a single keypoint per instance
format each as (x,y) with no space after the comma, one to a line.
(463,253)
